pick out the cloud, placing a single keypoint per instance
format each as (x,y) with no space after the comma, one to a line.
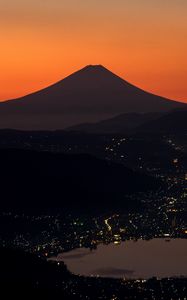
(76,255)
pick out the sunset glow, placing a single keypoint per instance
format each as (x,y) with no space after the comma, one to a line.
(145,42)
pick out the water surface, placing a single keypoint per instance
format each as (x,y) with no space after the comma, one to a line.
(141,259)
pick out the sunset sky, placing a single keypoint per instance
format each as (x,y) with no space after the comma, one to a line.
(143,41)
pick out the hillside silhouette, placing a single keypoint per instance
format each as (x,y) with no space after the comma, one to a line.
(171,123)
(168,122)
(41,181)
(24,274)
(123,124)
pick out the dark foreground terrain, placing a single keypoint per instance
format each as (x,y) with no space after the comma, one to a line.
(61,191)
(38,181)
(26,276)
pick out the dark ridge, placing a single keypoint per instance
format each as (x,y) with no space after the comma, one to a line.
(24,274)
(35,181)
(171,123)
(122,124)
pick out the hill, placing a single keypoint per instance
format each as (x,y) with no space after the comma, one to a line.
(171,123)
(34,181)
(122,124)
(24,274)
(174,122)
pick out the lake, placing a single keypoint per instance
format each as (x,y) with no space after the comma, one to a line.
(131,260)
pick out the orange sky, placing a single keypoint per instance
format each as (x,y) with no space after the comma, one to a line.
(143,41)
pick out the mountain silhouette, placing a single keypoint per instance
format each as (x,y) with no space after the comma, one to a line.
(174,122)
(123,124)
(47,182)
(88,95)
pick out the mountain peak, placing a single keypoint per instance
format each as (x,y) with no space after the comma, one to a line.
(94,68)
(92,75)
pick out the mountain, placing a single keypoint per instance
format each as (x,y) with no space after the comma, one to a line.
(89,95)
(173,122)
(122,124)
(167,122)
(42,181)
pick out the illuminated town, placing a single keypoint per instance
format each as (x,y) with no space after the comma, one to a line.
(162,214)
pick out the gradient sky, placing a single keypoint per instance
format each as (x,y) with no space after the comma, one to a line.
(143,41)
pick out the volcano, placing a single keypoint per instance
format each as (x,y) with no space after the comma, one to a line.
(88,95)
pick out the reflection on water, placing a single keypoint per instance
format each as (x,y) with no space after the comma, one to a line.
(143,259)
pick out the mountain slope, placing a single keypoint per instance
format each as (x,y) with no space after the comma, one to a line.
(123,124)
(23,273)
(174,122)
(91,94)
(57,182)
